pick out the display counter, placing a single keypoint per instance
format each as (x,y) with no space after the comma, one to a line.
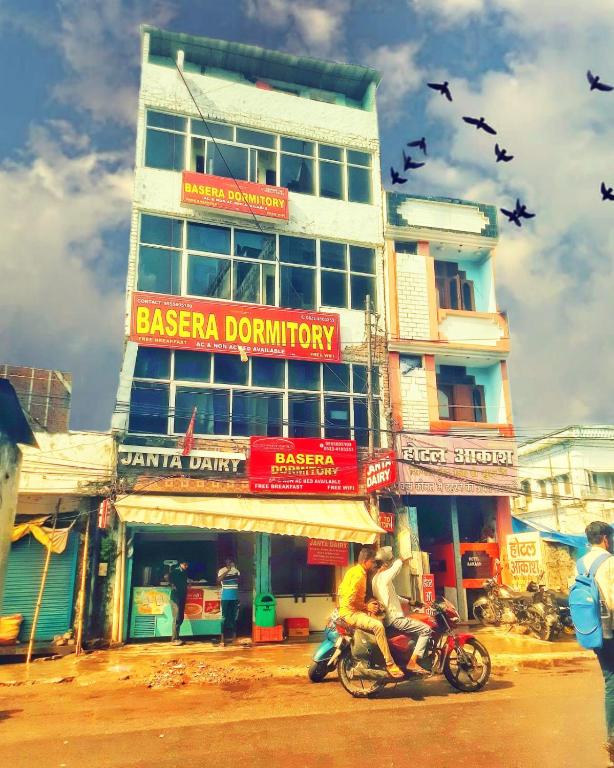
(151,616)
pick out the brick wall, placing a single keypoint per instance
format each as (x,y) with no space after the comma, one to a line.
(412,294)
(44,395)
(414,399)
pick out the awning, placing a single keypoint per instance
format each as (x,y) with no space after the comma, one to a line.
(576,541)
(338,520)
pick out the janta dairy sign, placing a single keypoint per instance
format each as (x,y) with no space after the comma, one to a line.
(145,460)
(211,326)
(381,472)
(457,466)
(235,196)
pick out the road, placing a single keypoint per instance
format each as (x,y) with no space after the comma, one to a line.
(525,719)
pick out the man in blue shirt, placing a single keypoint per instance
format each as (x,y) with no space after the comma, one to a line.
(228,579)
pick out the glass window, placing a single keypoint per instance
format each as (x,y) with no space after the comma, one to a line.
(254,245)
(256,413)
(158,270)
(332,255)
(269,290)
(162,120)
(192,366)
(256,138)
(362,259)
(303,374)
(298,146)
(207,129)
(330,153)
(361,423)
(360,288)
(227,160)
(149,408)
(246,282)
(406,247)
(152,363)
(297,174)
(204,237)
(337,417)
(336,377)
(208,276)
(298,288)
(161,231)
(303,416)
(268,372)
(333,286)
(359,379)
(212,410)
(297,250)
(331,180)
(359,158)
(164,150)
(359,184)
(228,369)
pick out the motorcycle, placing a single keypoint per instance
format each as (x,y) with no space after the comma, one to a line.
(320,665)
(503,605)
(556,605)
(460,657)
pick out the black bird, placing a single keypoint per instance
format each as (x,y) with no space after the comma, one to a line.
(481,123)
(512,216)
(421,143)
(442,88)
(606,192)
(521,210)
(596,84)
(502,154)
(396,177)
(409,164)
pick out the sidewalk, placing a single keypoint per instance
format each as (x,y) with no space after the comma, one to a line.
(161,665)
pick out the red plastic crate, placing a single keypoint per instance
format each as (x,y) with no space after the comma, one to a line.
(268,634)
(299,632)
(296,623)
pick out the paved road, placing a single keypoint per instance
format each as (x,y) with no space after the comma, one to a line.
(526,719)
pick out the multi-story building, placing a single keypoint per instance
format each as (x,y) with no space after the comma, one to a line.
(449,387)
(256,242)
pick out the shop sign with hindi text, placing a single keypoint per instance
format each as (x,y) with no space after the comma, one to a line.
(387,521)
(175,322)
(525,558)
(235,196)
(325,552)
(302,465)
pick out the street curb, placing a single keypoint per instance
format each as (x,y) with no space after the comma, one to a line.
(514,662)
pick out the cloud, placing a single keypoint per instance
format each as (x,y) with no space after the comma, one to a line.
(449,9)
(400,76)
(62,290)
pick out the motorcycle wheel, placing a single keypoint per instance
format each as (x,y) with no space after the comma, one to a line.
(358,687)
(318,671)
(538,625)
(485,615)
(569,629)
(467,667)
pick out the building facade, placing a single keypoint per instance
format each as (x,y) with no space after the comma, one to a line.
(256,244)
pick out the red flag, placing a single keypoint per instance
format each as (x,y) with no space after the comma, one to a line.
(103,514)
(188,440)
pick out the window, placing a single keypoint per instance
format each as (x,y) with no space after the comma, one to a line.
(192,366)
(158,270)
(403,247)
(359,176)
(525,487)
(228,369)
(152,363)
(454,291)
(337,417)
(331,172)
(208,276)
(303,416)
(459,397)
(212,411)
(205,237)
(256,413)
(290,574)
(267,372)
(158,230)
(298,287)
(336,377)
(254,245)
(303,375)
(353,277)
(149,408)
(165,141)
(297,169)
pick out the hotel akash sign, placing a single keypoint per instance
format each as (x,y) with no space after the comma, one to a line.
(437,465)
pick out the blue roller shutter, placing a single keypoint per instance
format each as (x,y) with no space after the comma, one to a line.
(22,583)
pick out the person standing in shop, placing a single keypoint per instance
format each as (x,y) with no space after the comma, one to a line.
(178,579)
(228,579)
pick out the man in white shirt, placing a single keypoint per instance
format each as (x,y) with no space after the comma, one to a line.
(385,592)
(600,536)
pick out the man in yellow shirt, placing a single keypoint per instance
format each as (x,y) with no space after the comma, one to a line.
(353,609)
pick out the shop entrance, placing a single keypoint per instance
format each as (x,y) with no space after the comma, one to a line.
(154,550)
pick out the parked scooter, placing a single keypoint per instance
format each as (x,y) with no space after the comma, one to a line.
(461,658)
(321,664)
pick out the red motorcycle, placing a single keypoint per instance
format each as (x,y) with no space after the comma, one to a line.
(460,657)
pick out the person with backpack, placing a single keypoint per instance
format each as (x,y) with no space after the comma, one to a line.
(591,602)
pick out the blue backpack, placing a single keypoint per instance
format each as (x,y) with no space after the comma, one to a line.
(585,605)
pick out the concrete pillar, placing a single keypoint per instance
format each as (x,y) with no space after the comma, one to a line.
(460,591)
(10,465)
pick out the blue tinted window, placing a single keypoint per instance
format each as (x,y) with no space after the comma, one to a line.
(212,410)
(158,270)
(254,245)
(359,184)
(297,174)
(362,259)
(228,369)
(256,138)
(152,363)
(256,413)
(336,377)
(203,237)
(360,287)
(337,417)
(162,120)
(164,150)
(333,287)
(298,287)
(303,374)
(359,158)
(208,276)
(303,416)
(298,146)
(332,255)
(207,129)
(192,366)
(297,250)
(161,231)
(149,408)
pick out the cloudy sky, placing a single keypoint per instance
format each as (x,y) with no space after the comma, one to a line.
(70,74)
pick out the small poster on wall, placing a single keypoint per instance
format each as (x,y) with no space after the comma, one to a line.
(325,552)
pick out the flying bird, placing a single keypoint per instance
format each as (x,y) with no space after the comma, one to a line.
(606,192)
(421,143)
(512,216)
(502,154)
(521,210)
(596,84)
(396,177)
(409,164)
(481,123)
(442,88)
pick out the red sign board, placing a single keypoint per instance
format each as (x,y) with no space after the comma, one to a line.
(302,465)
(236,196)
(428,588)
(387,521)
(211,326)
(104,512)
(381,472)
(324,552)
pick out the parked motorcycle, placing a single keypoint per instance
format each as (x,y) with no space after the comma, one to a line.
(556,605)
(461,658)
(503,605)
(320,665)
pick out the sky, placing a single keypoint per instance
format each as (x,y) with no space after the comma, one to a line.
(69,85)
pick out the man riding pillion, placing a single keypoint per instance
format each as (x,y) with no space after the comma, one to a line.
(353,609)
(386,594)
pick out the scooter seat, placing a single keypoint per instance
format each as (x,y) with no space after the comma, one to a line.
(343,627)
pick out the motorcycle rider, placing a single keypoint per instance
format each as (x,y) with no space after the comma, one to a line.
(385,592)
(353,609)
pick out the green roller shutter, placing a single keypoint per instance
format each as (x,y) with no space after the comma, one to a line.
(22,583)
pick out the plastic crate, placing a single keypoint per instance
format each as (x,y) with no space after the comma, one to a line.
(296,623)
(268,634)
(298,632)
